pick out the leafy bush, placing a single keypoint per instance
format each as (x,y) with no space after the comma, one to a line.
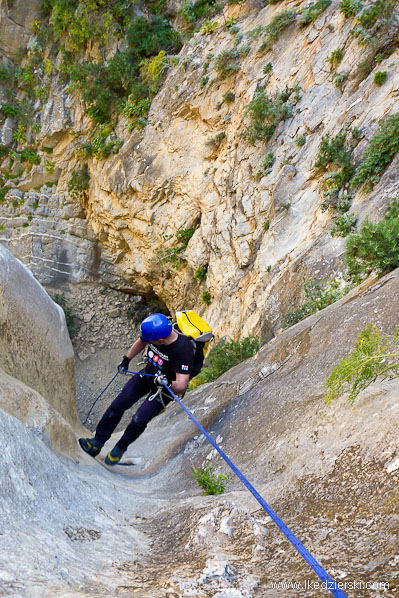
(335,57)
(148,37)
(173,254)
(209,481)
(380,77)
(333,152)
(375,248)
(7,76)
(201,273)
(201,9)
(206,297)
(229,97)
(209,27)
(379,10)
(152,71)
(9,110)
(70,319)
(79,182)
(344,225)
(265,113)
(30,155)
(224,356)
(313,12)
(340,79)
(350,8)
(277,25)
(379,154)
(300,141)
(376,355)
(318,295)
(227,63)
(77,21)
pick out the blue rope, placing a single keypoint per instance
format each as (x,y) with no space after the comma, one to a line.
(330,584)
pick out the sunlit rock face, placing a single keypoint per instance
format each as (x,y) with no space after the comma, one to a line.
(259,232)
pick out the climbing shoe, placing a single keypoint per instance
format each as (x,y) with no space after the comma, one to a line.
(91,446)
(113,456)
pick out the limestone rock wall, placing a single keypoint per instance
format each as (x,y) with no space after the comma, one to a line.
(36,357)
(258,235)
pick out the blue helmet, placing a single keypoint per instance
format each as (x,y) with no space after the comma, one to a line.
(154,327)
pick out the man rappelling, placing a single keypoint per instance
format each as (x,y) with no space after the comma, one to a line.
(170,360)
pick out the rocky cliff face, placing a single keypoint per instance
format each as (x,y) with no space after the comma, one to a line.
(258,228)
(330,472)
(36,358)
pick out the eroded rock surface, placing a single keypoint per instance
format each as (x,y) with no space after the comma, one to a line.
(330,472)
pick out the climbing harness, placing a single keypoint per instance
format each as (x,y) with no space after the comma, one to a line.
(330,584)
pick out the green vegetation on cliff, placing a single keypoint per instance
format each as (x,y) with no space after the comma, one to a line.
(376,355)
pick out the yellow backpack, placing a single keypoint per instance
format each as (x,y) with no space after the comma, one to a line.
(192,325)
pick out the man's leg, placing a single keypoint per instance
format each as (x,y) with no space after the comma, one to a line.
(136,388)
(144,414)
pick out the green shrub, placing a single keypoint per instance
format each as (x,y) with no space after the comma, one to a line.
(335,57)
(201,273)
(380,77)
(209,27)
(30,155)
(340,79)
(70,319)
(300,141)
(227,63)
(267,164)
(201,9)
(265,113)
(375,247)
(268,68)
(173,254)
(318,295)
(206,297)
(79,182)
(9,110)
(344,225)
(3,193)
(7,76)
(381,150)
(229,97)
(350,8)
(277,25)
(313,12)
(147,37)
(224,356)
(209,481)
(381,9)
(376,355)
(152,71)
(333,152)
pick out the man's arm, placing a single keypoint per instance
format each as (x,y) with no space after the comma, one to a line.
(179,386)
(136,348)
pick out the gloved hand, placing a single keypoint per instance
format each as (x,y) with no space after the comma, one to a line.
(124,364)
(159,379)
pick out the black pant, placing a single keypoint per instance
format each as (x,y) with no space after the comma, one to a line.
(137,387)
